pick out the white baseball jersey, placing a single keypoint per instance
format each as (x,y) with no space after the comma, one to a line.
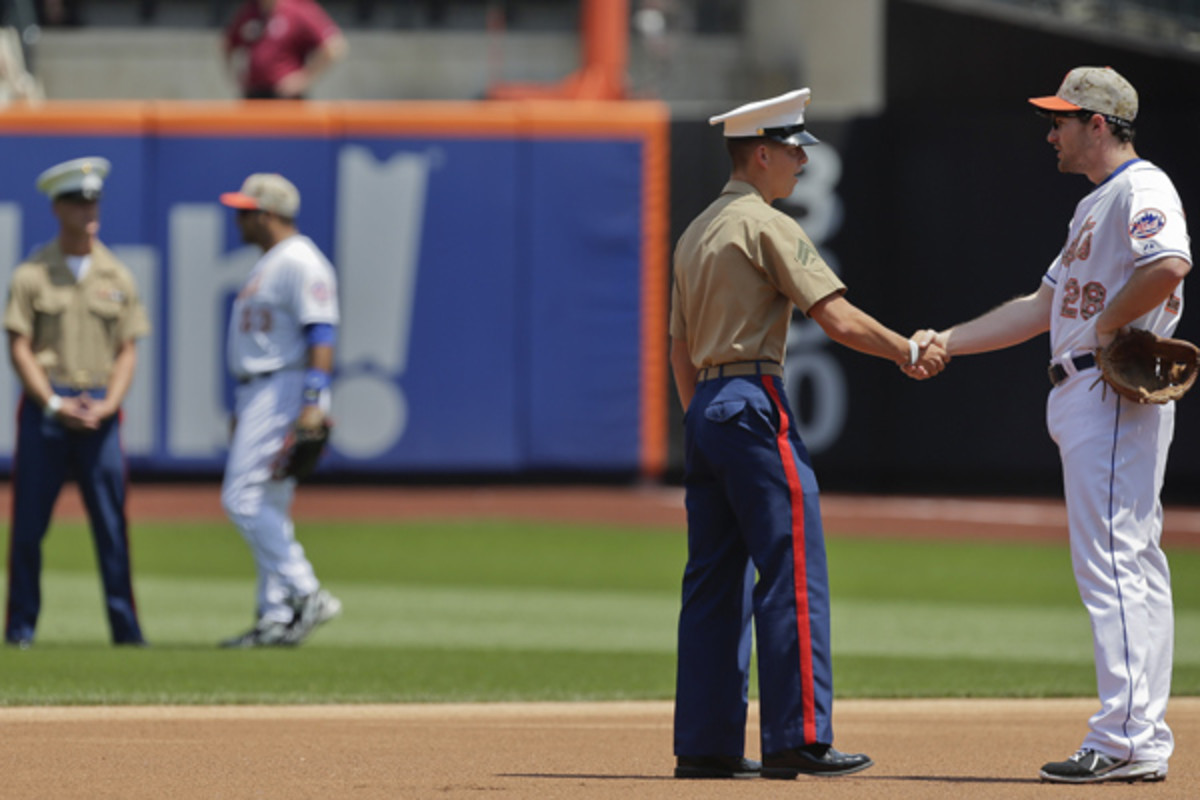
(291,286)
(1132,219)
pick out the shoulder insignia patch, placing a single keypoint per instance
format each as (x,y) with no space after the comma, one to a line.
(806,252)
(1147,223)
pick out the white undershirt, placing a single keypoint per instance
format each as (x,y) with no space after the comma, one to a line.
(79,265)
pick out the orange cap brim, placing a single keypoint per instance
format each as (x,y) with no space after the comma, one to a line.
(238,200)
(1054,103)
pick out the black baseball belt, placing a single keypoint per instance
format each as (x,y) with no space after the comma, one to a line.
(1058,373)
(245,379)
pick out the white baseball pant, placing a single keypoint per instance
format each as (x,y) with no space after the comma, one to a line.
(1114,455)
(260,506)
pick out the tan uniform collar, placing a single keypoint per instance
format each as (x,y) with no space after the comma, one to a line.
(740,187)
(102,258)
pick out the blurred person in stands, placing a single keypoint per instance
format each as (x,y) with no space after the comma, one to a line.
(277,49)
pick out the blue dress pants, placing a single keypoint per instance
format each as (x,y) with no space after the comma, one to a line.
(47,453)
(752,506)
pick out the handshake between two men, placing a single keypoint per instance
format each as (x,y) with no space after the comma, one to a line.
(927,354)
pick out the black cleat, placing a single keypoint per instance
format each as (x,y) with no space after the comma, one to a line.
(1092,766)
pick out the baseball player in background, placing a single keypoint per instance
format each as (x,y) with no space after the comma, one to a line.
(73,320)
(1123,262)
(282,332)
(751,495)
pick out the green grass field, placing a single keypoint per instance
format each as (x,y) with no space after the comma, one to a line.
(488,611)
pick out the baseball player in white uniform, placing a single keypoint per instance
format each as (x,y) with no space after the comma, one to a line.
(280,349)
(1122,265)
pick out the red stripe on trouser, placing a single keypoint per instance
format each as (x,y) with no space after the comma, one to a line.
(12,517)
(799,573)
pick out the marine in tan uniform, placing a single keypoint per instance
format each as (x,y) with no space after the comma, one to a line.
(73,319)
(752,498)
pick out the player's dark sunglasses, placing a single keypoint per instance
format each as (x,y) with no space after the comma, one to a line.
(1085,115)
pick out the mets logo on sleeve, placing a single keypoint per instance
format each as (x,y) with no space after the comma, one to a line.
(1146,223)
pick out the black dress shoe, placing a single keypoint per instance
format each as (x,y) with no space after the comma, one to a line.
(716,767)
(812,759)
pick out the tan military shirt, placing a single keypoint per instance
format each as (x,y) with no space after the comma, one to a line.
(75,328)
(739,269)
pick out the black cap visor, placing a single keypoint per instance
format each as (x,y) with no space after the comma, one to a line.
(791,134)
(79,196)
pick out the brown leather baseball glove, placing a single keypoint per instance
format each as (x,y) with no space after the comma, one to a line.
(302,450)
(1148,368)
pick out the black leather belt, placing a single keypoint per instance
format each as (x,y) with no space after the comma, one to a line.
(1058,373)
(737,368)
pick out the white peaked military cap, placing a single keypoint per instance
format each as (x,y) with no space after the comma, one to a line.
(780,118)
(266,191)
(82,177)
(1098,89)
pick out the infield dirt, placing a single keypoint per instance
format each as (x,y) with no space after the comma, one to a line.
(922,748)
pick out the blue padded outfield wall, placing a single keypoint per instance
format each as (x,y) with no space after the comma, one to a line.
(499,268)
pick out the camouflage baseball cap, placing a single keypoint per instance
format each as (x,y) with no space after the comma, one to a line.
(1098,89)
(264,191)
